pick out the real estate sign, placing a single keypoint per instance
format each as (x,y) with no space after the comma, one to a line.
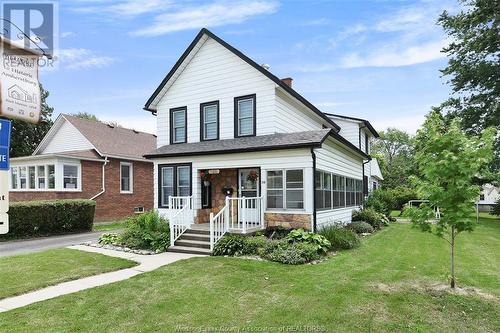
(5,127)
(19,87)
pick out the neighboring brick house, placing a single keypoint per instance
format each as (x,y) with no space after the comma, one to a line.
(87,159)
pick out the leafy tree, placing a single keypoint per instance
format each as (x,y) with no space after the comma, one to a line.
(448,161)
(474,69)
(86,115)
(394,150)
(496,208)
(25,136)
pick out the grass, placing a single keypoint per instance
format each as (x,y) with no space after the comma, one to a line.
(28,272)
(105,226)
(376,287)
(395,213)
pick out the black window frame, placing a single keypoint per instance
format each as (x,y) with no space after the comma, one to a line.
(236,118)
(202,120)
(182,108)
(175,180)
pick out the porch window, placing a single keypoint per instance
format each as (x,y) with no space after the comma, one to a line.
(41,177)
(178,125)
(70,179)
(22,177)
(323,181)
(359,191)
(244,115)
(350,192)
(285,189)
(31,175)
(13,177)
(174,180)
(52,176)
(209,121)
(338,191)
(126,177)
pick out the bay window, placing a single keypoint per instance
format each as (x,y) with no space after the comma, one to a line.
(285,189)
(22,177)
(13,177)
(70,176)
(40,176)
(31,175)
(52,176)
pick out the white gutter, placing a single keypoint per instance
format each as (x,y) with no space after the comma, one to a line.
(103,179)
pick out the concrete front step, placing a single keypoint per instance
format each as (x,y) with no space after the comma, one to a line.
(198,231)
(192,243)
(191,250)
(194,236)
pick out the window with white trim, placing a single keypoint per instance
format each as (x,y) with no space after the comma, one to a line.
(51,170)
(126,177)
(13,177)
(70,176)
(31,177)
(285,189)
(41,177)
(22,177)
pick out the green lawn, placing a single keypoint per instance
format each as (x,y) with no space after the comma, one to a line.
(379,287)
(109,226)
(27,272)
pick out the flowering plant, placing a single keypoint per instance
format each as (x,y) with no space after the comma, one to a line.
(253,176)
(205,176)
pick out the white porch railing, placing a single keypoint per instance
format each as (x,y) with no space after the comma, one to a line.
(246,213)
(219,224)
(181,216)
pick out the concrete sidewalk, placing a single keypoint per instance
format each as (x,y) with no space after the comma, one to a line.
(147,263)
(9,248)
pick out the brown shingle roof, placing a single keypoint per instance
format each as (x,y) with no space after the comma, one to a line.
(114,141)
(90,153)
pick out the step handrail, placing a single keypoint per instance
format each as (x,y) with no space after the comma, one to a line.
(180,219)
(219,224)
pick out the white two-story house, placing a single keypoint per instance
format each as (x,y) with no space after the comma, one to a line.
(239,150)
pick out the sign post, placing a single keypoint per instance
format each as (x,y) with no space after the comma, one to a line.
(5,127)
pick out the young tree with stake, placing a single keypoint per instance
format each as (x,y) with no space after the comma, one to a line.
(448,162)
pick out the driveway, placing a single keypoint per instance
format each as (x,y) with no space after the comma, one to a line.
(9,248)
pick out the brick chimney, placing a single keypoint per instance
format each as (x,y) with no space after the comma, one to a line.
(287,81)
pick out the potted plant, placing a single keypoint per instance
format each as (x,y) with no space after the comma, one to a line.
(253,176)
(205,177)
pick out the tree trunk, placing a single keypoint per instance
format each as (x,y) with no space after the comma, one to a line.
(452,282)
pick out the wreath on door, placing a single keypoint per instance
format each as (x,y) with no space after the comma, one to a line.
(253,176)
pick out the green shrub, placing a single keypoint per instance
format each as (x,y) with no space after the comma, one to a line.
(147,231)
(48,217)
(290,253)
(299,235)
(495,210)
(360,227)
(277,232)
(370,216)
(108,238)
(229,245)
(386,200)
(253,245)
(340,238)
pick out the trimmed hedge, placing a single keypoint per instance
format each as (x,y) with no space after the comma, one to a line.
(50,217)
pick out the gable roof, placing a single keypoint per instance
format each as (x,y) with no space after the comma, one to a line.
(113,141)
(204,32)
(364,121)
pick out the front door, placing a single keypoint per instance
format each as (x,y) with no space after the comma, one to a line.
(248,187)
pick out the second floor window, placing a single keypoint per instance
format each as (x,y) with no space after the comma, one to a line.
(244,115)
(209,121)
(178,125)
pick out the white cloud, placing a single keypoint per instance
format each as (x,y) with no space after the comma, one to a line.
(316,22)
(67,34)
(212,15)
(80,58)
(329,104)
(126,8)
(395,56)
(408,124)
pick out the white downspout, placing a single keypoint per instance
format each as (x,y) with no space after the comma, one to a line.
(103,180)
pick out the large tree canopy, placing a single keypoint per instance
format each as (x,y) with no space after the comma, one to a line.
(394,150)
(25,136)
(474,67)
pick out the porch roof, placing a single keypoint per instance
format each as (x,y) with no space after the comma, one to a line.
(244,144)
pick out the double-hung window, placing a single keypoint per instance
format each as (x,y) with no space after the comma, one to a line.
(178,125)
(338,191)
(22,177)
(31,177)
(13,177)
(285,189)
(323,188)
(174,180)
(209,121)
(70,176)
(126,177)
(244,116)
(51,170)
(41,180)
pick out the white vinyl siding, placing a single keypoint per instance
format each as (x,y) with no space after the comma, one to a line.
(290,116)
(66,138)
(215,73)
(349,129)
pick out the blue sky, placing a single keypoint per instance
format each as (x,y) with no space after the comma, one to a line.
(377,60)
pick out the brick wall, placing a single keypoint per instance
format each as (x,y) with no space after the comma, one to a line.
(111,205)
